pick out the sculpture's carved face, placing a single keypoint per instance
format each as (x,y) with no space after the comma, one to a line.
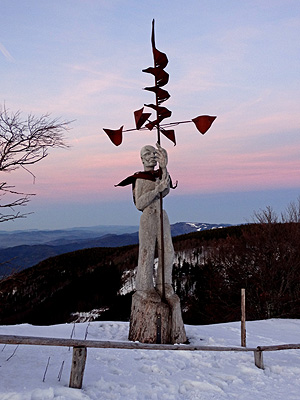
(148,156)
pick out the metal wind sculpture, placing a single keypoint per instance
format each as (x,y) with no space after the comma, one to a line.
(161,77)
(202,122)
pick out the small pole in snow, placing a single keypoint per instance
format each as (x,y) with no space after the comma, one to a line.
(243,318)
(60,371)
(44,377)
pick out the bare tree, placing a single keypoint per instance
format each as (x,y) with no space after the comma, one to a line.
(266,216)
(269,216)
(292,212)
(24,142)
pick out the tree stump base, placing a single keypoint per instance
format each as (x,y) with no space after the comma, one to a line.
(155,321)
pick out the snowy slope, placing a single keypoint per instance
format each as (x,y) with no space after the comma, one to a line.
(160,375)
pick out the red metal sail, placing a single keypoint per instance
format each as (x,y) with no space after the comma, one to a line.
(170,134)
(140,117)
(115,135)
(203,123)
(161,94)
(161,76)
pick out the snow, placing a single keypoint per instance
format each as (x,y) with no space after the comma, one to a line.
(202,226)
(159,375)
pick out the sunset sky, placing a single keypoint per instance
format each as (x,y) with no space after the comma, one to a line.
(82,60)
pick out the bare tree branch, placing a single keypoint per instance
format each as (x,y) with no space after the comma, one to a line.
(266,216)
(292,212)
(16,201)
(27,141)
(24,142)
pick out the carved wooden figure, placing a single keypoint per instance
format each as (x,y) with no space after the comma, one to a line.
(156,313)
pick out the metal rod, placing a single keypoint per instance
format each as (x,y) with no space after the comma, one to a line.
(162,244)
(168,125)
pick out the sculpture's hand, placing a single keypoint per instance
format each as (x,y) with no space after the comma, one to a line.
(161,156)
(163,184)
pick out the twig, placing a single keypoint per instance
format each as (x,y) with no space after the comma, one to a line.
(72,333)
(86,331)
(14,352)
(46,369)
(60,371)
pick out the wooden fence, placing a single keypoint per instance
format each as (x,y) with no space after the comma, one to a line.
(80,350)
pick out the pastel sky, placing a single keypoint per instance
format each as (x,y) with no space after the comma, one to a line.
(81,60)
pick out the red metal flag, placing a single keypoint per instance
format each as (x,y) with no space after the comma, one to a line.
(160,59)
(161,76)
(203,123)
(140,117)
(170,134)
(161,94)
(115,135)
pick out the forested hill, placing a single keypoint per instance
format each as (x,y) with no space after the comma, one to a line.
(209,271)
(78,281)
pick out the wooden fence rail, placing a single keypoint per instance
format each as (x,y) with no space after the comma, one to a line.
(80,350)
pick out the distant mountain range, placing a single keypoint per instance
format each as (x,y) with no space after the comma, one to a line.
(22,249)
(54,237)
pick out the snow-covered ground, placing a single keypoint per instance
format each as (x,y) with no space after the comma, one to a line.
(160,375)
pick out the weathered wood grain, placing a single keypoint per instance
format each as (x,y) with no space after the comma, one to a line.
(78,366)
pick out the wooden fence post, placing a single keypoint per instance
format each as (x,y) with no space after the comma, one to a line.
(78,365)
(258,358)
(243,318)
